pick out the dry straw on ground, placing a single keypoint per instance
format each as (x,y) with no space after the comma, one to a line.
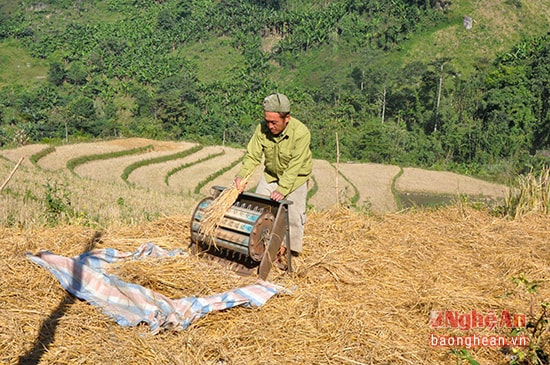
(23,201)
(364,289)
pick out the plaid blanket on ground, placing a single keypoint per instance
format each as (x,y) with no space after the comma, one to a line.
(130,304)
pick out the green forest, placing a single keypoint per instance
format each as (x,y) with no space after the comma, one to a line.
(363,75)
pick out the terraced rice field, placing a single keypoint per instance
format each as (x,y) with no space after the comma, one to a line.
(58,159)
(332,188)
(374,183)
(370,185)
(186,180)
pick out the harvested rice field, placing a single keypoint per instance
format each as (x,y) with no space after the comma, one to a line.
(24,152)
(332,188)
(373,286)
(443,182)
(374,182)
(187,179)
(154,176)
(364,291)
(58,159)
(371,187)
(111,170)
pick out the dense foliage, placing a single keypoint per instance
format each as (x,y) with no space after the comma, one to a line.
(125,68)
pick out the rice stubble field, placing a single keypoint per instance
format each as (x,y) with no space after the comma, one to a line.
(363,291)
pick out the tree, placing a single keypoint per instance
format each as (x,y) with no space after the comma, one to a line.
(83,114)
(77,73)
(539,74)
(506,113)
(56,73)
(176,99)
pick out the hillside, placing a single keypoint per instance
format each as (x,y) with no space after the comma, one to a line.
(497,27)
(401,83)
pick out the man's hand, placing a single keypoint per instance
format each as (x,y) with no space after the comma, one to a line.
(239,184)
(277,196)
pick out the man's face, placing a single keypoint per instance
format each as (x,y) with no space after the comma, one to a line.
(275,122)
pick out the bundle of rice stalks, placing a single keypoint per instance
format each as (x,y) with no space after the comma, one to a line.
(533,194)
(215,212)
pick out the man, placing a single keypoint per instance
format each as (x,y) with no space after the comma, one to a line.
(284,142)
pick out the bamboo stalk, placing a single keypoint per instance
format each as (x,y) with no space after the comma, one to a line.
(337,169)
(11,174)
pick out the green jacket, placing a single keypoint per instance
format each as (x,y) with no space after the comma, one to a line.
(288,160)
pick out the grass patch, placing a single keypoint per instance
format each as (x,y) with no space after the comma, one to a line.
(355,198)
(311,192)
(130,168)
(72,164)
(41,154)
(201,184)
(394,192)
(18,67)
(215,59)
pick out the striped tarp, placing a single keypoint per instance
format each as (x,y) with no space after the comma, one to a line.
(129,304)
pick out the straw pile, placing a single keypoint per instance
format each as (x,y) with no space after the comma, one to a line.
(365,286)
